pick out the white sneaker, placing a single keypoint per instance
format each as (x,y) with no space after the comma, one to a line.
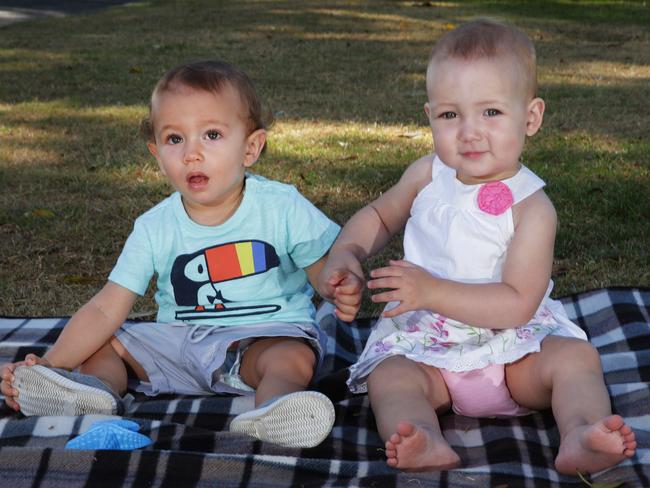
(52,391)
(301,419)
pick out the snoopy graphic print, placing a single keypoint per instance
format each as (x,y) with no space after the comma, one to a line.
(198,279)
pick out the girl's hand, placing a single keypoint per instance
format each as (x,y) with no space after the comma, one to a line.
(341,282)
(7,377)
(347,293)
(406,282)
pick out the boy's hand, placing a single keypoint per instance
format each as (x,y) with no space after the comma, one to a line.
(406,282)
(7,376)
(347,288)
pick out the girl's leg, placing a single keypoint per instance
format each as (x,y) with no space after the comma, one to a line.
(110,363)
(276,366)
(404,396)
(566,375)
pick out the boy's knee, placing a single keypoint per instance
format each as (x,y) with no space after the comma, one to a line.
(291,355)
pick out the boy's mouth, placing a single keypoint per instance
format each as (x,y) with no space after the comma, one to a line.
(197,180)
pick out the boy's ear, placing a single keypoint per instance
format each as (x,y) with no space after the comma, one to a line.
(254,145)
(535,116)
(153,149)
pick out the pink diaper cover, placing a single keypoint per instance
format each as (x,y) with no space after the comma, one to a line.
(481,393)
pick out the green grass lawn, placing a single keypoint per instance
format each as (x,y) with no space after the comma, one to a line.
(345,81)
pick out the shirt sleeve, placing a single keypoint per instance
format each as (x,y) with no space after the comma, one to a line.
(310,232)
(134,267)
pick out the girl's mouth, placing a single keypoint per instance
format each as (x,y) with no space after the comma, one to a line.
(472,154)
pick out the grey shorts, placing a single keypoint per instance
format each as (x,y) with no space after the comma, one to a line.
(196,360)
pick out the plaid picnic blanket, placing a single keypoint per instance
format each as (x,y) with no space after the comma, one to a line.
(192,445)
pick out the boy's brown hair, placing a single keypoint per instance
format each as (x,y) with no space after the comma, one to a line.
(210,76)
(487,38)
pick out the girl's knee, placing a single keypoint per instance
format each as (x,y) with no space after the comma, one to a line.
(567,352)
(400,373)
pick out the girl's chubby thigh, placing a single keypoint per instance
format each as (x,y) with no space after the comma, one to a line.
(404,390)
(531,379)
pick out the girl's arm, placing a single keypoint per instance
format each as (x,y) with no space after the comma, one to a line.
(347,296)
(91,326)
(510,303)
(370,229)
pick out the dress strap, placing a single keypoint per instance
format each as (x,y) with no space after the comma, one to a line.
(524,184)
(437,166)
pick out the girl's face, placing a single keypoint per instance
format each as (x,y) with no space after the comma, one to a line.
(480,116)
(202,144)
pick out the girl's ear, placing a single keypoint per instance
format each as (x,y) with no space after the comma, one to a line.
(254,145)
(535,116)
(427,111)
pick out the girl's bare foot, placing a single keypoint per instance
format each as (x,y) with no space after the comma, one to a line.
(592,448)
(415,448)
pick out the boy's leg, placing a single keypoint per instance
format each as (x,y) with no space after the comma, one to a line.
(276,366)
(280,369)
(111,365)
(567,376)
(405,396)
(96,387)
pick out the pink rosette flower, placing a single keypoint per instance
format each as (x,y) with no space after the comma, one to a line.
(494,198)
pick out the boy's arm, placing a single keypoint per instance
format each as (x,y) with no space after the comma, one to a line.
(509,303)
(91,326)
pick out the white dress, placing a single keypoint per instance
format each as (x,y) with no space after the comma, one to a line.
(461,232)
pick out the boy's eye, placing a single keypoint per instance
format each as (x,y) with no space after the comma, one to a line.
(448,115)
(213,135)
(174,139)
(492,112)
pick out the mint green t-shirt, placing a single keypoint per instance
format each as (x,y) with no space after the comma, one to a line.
(247,270)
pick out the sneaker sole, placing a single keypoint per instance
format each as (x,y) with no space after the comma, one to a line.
(42,391)
(302,419)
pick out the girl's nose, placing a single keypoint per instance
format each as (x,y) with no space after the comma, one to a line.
(469,130)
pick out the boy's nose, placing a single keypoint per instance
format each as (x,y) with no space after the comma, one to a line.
(192,152)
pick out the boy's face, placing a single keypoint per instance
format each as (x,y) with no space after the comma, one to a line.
(480,115)
(203,146)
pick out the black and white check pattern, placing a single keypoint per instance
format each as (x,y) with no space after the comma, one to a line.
(192,445)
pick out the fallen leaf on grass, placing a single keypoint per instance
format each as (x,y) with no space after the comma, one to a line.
(79,280)
(410,135)
(613,484)
(42,213)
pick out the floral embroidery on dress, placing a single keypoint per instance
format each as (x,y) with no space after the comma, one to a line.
(381,346)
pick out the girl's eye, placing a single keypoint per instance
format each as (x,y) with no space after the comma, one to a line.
(492,112)
(448,115)
(174,139)
(213,135)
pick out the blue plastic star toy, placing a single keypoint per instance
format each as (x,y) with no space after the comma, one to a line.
(110,434)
